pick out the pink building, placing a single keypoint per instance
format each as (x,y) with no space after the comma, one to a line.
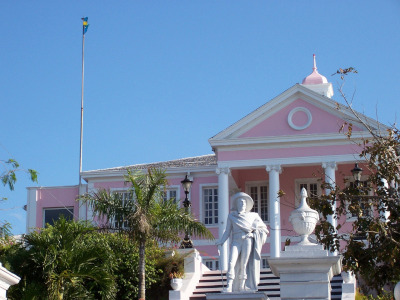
(289,143)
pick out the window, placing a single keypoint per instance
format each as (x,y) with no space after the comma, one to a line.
(312,187)
(51,215)
(210,205)
(259,193)
(365,205)
(212,264)
(264,263)
(119,221)
(171,194)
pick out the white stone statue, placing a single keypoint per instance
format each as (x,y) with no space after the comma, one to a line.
(249,233)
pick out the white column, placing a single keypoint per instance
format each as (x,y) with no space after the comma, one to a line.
(89,211)
(385,214)
(82,215)
(223,210)
(31,208)
(330,168)
(274,210)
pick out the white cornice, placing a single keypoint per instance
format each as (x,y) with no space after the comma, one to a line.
(290,161)
(53,187)
(289,141)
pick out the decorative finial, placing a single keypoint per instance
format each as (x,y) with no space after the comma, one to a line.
(315,63)
(303,193)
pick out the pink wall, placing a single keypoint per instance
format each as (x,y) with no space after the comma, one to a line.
(277,124)
(54,198)
(194,195)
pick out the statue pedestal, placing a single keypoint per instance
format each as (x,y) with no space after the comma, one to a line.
(238,296)
(305,272)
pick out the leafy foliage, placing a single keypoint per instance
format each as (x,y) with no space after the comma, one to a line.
(8,175)
(372,247)
(73,260)
(63,261)
(126,261)
(384,296)
(8,178)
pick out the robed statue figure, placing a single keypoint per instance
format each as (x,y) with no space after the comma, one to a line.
(249,233)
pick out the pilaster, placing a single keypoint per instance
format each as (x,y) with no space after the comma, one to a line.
(31,208)
(223,208)
(82,215)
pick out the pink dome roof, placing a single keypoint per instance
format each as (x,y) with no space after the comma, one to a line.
(314,77)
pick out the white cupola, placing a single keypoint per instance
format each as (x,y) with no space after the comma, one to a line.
(318,83)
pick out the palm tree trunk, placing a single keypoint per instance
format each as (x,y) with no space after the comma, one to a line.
(142,271)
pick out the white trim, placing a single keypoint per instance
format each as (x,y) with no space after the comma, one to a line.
(295,110)
(201,203)
(52,187)
(31,208)
(303,140)
(82,207)
(290,161)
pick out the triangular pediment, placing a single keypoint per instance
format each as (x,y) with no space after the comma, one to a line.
(299,114)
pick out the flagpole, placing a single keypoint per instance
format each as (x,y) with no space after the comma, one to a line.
(84,28)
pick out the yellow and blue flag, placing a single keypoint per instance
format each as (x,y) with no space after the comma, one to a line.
(85,24)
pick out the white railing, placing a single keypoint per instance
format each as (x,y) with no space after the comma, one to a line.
(194,269)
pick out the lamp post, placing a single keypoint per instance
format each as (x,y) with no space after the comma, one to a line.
(357,171)
(186,184)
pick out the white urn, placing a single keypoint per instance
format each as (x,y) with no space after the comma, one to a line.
(176,283)
(347,276)
(304,220)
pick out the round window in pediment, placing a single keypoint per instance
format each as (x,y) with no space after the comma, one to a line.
(299,118)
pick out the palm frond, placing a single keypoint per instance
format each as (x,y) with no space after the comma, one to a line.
(172,221)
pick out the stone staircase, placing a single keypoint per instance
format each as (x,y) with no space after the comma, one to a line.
(211,282)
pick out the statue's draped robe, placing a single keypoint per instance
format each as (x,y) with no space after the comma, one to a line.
(250,223)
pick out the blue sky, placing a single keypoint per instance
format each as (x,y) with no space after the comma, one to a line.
(162,77)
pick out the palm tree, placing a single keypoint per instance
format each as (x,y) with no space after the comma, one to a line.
(145,215)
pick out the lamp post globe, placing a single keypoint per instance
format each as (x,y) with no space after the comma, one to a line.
(357,172)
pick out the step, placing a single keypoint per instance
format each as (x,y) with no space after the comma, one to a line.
(213,282)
